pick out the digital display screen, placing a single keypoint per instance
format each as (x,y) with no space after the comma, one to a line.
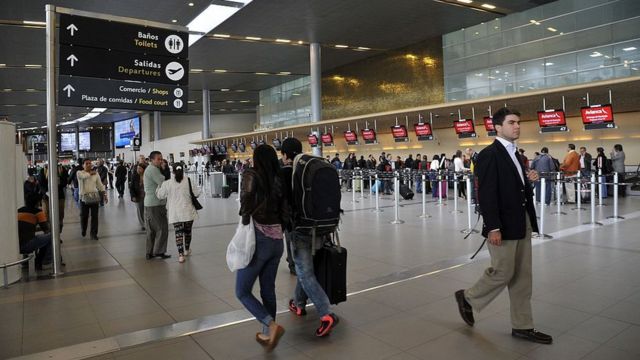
(85,141)
(422,130)
(125,131)
(368,134)
(464,127)
(67,142)
(551,118)
(35,139)
(313,140)
(597,114)
(399,132)
(488,124)
(351,137)
(327,139)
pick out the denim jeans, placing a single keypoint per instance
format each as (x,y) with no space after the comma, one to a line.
(548,187)
(264,266)
(307,286)
(419,183)
(41,245)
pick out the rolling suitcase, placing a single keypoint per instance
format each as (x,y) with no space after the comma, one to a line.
(406,192)
(330,268)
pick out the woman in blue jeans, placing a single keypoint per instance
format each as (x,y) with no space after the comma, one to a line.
(262,198)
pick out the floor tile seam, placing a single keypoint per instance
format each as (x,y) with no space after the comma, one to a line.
(627,325)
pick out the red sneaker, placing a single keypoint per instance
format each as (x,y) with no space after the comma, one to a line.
(327,323)
(299,311)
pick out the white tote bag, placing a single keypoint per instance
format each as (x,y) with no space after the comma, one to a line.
(242,246)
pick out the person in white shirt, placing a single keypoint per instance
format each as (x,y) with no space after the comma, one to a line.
(459,169)
(435,168)
(91,193)
(180,209)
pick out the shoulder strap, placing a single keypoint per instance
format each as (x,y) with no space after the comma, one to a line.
(190,189)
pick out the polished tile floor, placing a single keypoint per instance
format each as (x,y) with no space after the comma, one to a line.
(586,290)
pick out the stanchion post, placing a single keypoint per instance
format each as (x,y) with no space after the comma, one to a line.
(424,214)
(593,202)
(455,195)
(239,185)
(543,198)
(377,209)
(361,180)
(396,204)
(439,184)
(579,192)
(559,195)
(602,183)
(469,229)
(353,188)
(615,198)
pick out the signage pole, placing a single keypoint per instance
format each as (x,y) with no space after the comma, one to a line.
(52,133)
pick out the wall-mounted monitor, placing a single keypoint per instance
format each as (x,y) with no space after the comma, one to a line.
(400,133)
(465,128)
(67,142)
(313,140)
(125,131)
(552,121)
(423,131)
(327,139)
(85,141)
(369,136)
(488,125)
(33,139)
(597,117)
(351,137)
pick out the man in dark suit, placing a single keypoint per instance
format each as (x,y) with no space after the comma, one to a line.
(506,201)
(585,162)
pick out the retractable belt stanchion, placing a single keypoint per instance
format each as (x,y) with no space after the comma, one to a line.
(602,183)
(396,195)
(353,188)
(543,200)
(455,196)
(370,186)
(579,192)
(593,202)
(377,209)
(615,198)
(469,228)
(439,184)
(424,214)
(239,185)
(559,196)
(361,179)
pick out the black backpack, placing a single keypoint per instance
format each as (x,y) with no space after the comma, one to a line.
(316,196)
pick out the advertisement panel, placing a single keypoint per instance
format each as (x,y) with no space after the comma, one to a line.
(125,131)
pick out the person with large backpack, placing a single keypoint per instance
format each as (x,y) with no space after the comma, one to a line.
(315,208)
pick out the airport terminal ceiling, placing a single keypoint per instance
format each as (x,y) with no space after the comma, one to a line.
(244,66)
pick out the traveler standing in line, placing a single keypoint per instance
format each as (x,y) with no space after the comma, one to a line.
(459,169)
(182,213)
(290,148)
(508,210)
(92,193)
(601,169)
(155,211)
(570,166)
(121,178)
(543,165)
(165,170)
(617,162)
(585,162)
(262,198)
(435,170)
(136,190)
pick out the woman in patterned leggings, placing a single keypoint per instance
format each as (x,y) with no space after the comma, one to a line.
(180,210)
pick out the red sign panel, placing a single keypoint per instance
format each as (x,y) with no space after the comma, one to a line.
(327,139)
(597,114)
(488,124)
(422,129)
(350,136)
(313,140)
(399,132)
(551,118)
(368,134)
(464,127)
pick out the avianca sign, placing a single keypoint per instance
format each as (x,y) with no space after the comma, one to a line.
(597,114)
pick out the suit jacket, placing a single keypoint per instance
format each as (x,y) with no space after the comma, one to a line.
(504,200)
(587,162)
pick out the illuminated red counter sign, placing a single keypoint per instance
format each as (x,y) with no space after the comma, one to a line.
(313,140)
(488,125)
(327,139)
(423,131)
(400,133)
(369,136)
(465,128)
(597,117)
(351,137)
(552,121)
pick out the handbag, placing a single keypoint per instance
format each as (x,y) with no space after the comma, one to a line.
(90,198)
(242,246)
(194,199)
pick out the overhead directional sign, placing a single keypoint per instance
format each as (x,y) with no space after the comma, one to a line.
(101,63)
(85,31)
(115,94)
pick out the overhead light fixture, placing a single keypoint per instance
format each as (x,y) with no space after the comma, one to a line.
(174,21)
(488,6)
(630,48)
(229,101)
(253,38)
(479,74)
(208,20)
(300,42)
(548,64)
(283,40)
(39,23)
(220,70)
(262,73)
(191,4)
(224,89)
(32,65)
(596,54)
(30,90)
(552,29)
(3,65)
(536,22)
(284,73)
(222,35)
(342,46)
(465,1)
(245,101)
(363,48)
(196,70)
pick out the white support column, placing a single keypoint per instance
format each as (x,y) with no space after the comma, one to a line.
(206,114)
(157,119)
(315,65)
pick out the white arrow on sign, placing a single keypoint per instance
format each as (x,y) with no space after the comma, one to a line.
(73,59)
(68,89)
(72,28)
